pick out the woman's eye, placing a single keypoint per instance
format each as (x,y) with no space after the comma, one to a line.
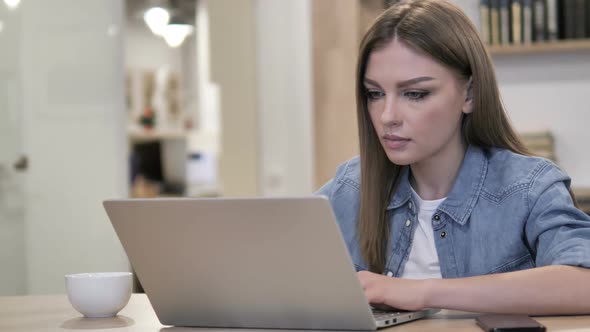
(374,94)
(416,95)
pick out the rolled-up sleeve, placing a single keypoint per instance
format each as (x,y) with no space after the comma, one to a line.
(557,231)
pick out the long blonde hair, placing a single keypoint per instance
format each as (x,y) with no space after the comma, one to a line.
(441,30)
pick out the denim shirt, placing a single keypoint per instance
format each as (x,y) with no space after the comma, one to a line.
(505,212)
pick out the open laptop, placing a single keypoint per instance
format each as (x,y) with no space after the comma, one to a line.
(248,263)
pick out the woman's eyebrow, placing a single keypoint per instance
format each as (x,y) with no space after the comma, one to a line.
(414,81)
(402,83)
(371,82)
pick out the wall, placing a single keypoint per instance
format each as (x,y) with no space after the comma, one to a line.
(259,78)
(540,91)
(335,45)
(285,96)
(274,159)
(73,108)
(189,93)
(232,26)
(548,92)
(12,200)
(146,52)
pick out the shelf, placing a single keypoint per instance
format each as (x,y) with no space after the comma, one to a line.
(582,193)
(583,198)
(542,48)
(142,135)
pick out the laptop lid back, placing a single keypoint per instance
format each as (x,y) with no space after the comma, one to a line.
(253,263)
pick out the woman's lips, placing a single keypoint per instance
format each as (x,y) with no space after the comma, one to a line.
(395,142)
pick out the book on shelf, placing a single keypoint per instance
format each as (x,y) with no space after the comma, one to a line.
(484,16)
(504,22)
(539,20)
(527,21)
(573,18)
(540,143)
(538,138)
(568,19)
(495,21)
(580,19)
(516,20)
(552,17)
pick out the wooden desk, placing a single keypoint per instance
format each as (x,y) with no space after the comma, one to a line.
(54,313)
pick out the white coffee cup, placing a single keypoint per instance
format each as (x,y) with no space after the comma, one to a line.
(101,294)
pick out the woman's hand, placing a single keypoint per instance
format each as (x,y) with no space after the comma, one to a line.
(547,290)
(383,291)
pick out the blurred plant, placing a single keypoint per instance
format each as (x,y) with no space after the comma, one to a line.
(148,118)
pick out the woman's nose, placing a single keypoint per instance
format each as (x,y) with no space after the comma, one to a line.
(390,115)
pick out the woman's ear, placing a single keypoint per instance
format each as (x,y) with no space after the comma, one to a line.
(468,105)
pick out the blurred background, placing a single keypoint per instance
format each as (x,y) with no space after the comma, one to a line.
(157,98)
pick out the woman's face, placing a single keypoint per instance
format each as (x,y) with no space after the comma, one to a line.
(415,104)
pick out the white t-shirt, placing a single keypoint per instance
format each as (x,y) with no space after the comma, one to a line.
(423,261)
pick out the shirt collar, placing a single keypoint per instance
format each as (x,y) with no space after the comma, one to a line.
(465,190)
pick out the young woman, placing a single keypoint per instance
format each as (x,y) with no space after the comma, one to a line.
(445,208)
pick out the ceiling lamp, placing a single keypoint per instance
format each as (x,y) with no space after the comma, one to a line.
(12,4)
(156,19)
(176,31)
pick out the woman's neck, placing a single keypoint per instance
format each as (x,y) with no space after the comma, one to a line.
(434,177)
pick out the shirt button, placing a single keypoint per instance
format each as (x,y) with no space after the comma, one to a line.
(443,234)
(411,206)
(389,274)
(436,217)
(408,223)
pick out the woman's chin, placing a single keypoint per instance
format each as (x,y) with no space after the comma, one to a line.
(399,159)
